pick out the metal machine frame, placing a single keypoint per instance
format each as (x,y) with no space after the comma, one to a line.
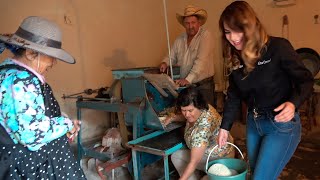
(141,103)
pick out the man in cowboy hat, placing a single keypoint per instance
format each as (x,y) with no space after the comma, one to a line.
(193,52)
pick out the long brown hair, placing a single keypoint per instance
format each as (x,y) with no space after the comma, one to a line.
(240,16)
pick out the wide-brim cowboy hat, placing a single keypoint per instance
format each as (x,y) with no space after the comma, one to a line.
(193,11)
(40,35)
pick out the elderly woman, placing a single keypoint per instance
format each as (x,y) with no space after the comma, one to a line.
(200,134)
(34,134)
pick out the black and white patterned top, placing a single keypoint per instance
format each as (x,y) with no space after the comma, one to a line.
(52,161)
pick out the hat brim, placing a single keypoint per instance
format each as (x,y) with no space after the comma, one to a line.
(49,51)
(202,18)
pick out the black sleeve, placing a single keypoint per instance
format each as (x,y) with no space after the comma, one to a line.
(301,77)
(232,105)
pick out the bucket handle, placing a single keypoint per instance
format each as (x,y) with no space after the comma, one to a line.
(215,148)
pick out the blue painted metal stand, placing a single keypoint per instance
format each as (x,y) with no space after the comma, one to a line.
(138,145)
(141,103)
(96,105)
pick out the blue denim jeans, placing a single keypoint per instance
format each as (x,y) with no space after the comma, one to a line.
(271,144)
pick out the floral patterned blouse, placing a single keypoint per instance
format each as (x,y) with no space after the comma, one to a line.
(22,111)
(205,133)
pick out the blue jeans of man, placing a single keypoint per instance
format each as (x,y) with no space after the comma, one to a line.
(271,144)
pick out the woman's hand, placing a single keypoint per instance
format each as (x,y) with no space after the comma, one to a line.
(74,131)
(196,154)
(287,110)
(174,118)
(222,137)
(168,120)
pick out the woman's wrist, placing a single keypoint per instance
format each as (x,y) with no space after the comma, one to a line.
(172,118)
(70,134)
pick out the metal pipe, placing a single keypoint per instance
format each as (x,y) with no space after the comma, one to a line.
(168,39)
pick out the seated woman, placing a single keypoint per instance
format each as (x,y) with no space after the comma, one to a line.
(200,134)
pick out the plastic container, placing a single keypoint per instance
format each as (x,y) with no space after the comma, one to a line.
(236,164)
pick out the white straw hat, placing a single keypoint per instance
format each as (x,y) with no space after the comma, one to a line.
(191,10)
(41,35)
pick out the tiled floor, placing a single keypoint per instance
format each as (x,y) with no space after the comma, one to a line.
(304,165)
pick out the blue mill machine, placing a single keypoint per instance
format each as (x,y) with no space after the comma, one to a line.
(147,97)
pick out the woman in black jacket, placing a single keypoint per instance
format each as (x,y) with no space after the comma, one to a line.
(267,74)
